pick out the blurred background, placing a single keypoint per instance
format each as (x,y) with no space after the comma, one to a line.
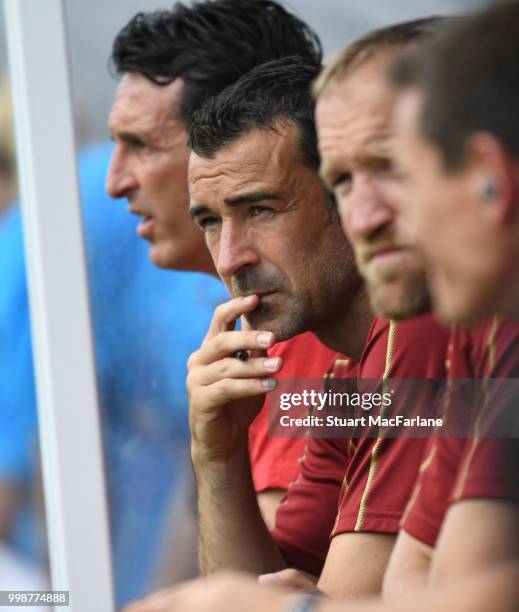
(92,26)
(146,322)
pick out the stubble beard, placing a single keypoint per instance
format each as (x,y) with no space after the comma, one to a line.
(398,294)
(285,321)
(286,317)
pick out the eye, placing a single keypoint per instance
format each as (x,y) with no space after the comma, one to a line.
(138,146)
(342,179)
(256,211)
(342,183)
(134,143)
(384,165)
(206,223)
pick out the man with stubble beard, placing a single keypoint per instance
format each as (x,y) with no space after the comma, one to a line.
(462,483)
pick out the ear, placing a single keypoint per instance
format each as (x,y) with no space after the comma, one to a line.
(493,177)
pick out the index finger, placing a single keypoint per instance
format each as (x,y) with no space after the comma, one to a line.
(226,314)
(246,326)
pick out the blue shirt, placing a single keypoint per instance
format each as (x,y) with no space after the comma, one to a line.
(146,323)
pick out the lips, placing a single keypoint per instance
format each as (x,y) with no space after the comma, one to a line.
(385,253)
(146,227)
(381,254)
(260,294)
(266,296)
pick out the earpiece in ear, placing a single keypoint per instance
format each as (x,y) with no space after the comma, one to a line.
(490,189)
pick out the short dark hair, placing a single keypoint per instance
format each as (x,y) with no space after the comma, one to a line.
(272,94)
(362,49)
(210,44)
(469,76)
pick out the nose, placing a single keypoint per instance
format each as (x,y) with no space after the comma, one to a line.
(120,180)
(236,249)
(366,210)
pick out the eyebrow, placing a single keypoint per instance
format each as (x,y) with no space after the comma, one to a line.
(195,211)
(248,198)
(128,137)
(251,198)
(372,157)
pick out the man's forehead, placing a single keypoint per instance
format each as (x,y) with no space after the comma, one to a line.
(353,97)
(407,110)
(357,114)
(255,154)
(140,102)
(356,134)
(363,89)
(212,177)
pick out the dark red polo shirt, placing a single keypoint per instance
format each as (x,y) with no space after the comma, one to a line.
(477,467)
(275,461)
(364,484)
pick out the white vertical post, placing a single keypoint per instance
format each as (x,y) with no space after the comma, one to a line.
(70,433)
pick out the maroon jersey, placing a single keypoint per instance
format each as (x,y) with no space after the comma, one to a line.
(477,467)
(275,461)
(305,517)
(363,483)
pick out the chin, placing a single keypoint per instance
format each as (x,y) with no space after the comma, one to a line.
(400,302)
(161,260)
(451,302)
(459,311)
(171,258)
(451,314)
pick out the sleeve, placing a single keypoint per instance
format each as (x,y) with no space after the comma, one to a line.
(477,467)
(489,464)
(274,461)
(489,469)
(425,512)
(305,517)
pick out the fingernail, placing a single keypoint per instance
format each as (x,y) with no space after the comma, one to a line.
(269,383)
(265,338)
(249,299)
(272,363)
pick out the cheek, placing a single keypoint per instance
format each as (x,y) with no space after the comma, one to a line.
(173,195)
(344,213)
(228,286)
(166,169)
(445,241)
(212,243)
(399,194)
(153,176)
(425,212)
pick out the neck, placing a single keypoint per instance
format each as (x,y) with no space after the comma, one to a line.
(348,333)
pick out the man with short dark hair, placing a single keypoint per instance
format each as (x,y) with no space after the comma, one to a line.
(276,241)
